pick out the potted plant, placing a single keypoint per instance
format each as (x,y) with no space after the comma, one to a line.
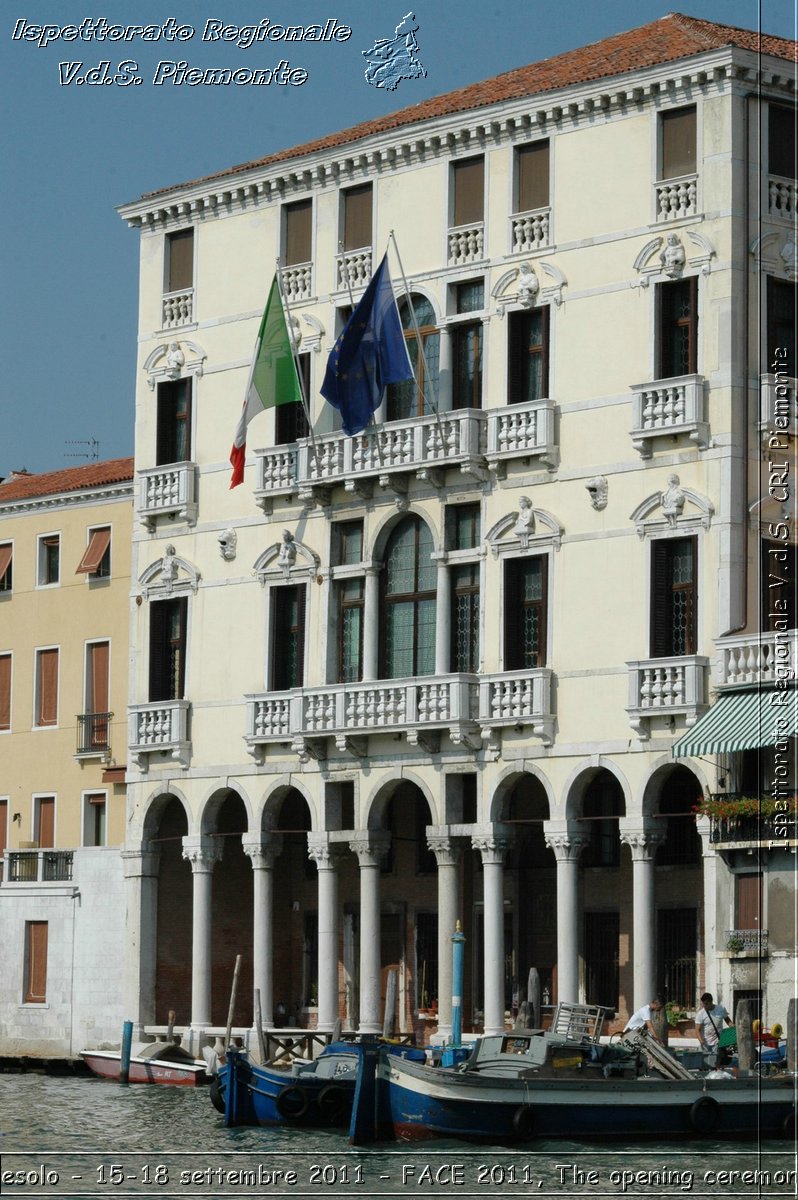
(735,944)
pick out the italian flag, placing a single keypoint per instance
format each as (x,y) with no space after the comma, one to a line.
(272,379)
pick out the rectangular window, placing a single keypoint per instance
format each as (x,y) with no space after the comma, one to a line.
(781,141)
(426,959)
(465,618)
(35,989)
(46,704)
(357,217)
(291,423)
(168,622)
(528,356)
(49,560)
(173,434)
(463,526)
(781,313)
(532,176)
(677,954)
(298,232)
(44,821)
(601,935)
(466,342)
(179,261)
(347,545)
(94,819)
(350,599)
(288,637)
(468,179)
(678,143)
(748,901)
(674,601)
(6,566)
(525,587)
(5,691)
(96,560)
(94,723)
(677,343)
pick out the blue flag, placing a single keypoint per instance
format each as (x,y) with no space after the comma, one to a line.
(370,353)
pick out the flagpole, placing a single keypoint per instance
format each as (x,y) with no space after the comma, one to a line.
(295,356)
(419,341)
(352,304)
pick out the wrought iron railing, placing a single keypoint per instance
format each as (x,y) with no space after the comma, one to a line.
(94,733)
(739,940)
(36,866)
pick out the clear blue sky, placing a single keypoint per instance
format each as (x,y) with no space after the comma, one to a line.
(69,265)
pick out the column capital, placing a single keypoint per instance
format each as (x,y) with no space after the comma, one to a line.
(262,849)
(642,842)
(447,850)
(203,852)
(324,853)
(493,842)
(567,847)
(142,862)
(370,847)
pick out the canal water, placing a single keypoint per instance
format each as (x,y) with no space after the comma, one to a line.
(85,1138)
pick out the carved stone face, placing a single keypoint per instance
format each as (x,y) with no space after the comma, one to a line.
(227,540)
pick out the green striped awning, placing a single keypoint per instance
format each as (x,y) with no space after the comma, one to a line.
(741,721)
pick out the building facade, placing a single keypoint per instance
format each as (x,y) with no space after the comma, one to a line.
(437,671)
(65,541)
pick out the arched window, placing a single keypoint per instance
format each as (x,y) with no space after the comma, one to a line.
(408,602)
(405,399)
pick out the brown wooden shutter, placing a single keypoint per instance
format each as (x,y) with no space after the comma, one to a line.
(298,232)
(47,687)
(45,821)
(748,901)
(180,269)
(4,832)
(98,676)
(159,651)
(533,176)
(678,143)
(99,542)
(513,624)
(660,600)
(5,691)
(5,560)
(781,141)
(36,955)
(173,422)
(469,191)
(357,217)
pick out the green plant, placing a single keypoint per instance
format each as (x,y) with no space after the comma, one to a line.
(735,944)
(674,1013)
(724,808)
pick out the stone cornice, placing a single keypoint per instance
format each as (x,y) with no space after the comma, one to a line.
(105,494)
(456,134)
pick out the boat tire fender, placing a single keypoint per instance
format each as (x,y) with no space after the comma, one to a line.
(524,1121)
(705,1114)
(292,1102)
(217,1097)
(334,1103)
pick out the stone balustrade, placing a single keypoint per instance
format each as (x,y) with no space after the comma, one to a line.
(466,244)
(666,687)
(756,658)
(354,268)
(530,230)
(778,413)
(177,309)
(521,430)
(167,490)
(666,408)
(782,198)
(297,282)
(677,198)
(159,727)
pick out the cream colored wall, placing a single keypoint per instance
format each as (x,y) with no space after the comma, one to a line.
(41,761)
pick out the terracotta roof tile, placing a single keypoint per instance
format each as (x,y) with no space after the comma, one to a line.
(73,479)
(669,38)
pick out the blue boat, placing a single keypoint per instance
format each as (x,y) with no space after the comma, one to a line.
(528,1084)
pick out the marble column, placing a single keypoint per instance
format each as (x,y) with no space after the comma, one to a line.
(262,851)
(443,617)
(567,851)
(493,848)
(709,924)
(447,854)
(325,856)
(141,935)
(203,853)
(644,847)
(371,622)
(370,849)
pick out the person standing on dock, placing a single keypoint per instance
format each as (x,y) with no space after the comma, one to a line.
(709,1023)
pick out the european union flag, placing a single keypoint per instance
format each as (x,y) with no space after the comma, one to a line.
(370,353)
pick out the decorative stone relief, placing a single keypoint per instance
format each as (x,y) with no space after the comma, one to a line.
(228,540)
(286,558)
(170,575)
(174,360)
(673,257)
(655,263)
(528,286)
(597,489)
(672,504)
(528,527)
(522,287)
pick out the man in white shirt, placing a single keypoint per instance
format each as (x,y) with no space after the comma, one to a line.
(642,1019)
(709,1022)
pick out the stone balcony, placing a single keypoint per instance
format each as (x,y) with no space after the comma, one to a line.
(676,198)
(666,687)
(470,440)
(158,733)
(38,866)
(466,244)
(782,198)
(778,412)
(167,491)
(297,282)
(353,268)
(756,659)
(530,231)
(177,308)
(667,408)
(467,707)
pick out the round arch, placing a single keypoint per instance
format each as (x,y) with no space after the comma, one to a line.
(506,784)
(153,809)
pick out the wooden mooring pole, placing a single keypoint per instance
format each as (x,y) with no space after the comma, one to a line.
(127,1047)
(230,1011)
